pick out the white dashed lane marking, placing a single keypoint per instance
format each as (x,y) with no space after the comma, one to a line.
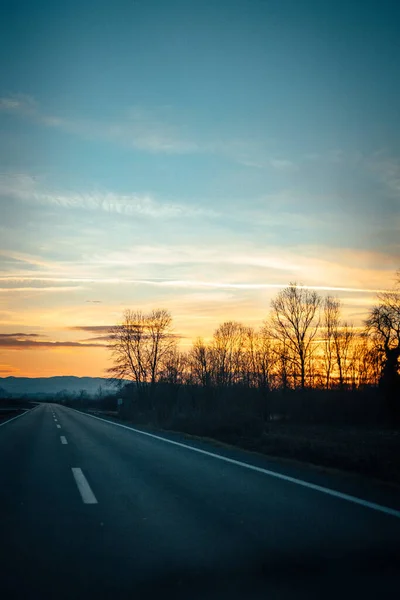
(84,488)
(306,484)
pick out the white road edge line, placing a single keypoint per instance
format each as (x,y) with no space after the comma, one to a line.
(18,416)
(312,486)
(63,439)
(58,426)
(84,488)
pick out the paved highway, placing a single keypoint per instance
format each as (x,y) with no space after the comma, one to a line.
(91,509)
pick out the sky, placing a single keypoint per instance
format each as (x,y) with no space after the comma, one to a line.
(193,155)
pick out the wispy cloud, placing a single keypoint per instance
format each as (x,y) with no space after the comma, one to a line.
(30,189)
(246,265)
(186,284)
(102,332)
(387,169)
(139,128)
(92,328)
(151,130)
(198,284)
(260,160)
(6,369)
(22,283)
(24,341)
(36,288)
(20,104)
(104,339)
(19,335)
(24,261)
(283,164)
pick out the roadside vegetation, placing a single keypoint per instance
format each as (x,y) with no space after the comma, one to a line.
(12,407)
(307,384)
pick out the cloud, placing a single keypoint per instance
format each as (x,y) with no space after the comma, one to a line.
(99,338)
(23,260)
(260,160)
(387,169)
(19,335)
(140,128)
(150,130)
(8,369)
(92,328)
(18,103)
(104,331)
(29,189)
(283,164)
(24,341)
(12,264)
(199,284)
(245,286)
(36,288)
(247,266)
(11,284)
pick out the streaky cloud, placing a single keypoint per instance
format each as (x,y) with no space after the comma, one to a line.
(28,189)
(24,341)
(187,283)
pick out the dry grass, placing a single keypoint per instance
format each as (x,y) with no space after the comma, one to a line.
(369,451)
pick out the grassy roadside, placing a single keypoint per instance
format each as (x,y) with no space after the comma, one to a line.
(6,415)
(372,452)
(10,408)
(364,451)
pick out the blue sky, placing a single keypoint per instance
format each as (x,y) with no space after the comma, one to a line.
(193,155)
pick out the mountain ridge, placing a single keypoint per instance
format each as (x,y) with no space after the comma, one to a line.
(56,384)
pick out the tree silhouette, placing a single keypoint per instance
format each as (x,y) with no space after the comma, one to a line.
(139,345)
(295,320)
(383,325)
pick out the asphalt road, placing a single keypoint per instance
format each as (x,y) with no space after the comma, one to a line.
(90,509)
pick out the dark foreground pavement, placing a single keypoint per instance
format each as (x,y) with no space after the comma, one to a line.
(161,519)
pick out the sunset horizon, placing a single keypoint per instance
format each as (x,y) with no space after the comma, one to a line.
(84,350)
(194,158)
(200,299)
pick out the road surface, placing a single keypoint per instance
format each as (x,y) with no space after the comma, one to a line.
(91,509)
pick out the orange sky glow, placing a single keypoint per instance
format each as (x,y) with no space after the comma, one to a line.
(49,319)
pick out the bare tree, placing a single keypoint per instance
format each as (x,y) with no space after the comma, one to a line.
(174,371)
(383,325)
(127,345)
(331,322)
(247,367)
(138,346)
(200,361)
(338,339)
(236,354)
(363,363)
(228,352)
(261,357)
(283,376)
(161,341)
(295,321)
(343,340)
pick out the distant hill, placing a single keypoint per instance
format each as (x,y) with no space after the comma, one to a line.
(34,386)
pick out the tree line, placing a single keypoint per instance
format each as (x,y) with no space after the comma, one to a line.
(303,344)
